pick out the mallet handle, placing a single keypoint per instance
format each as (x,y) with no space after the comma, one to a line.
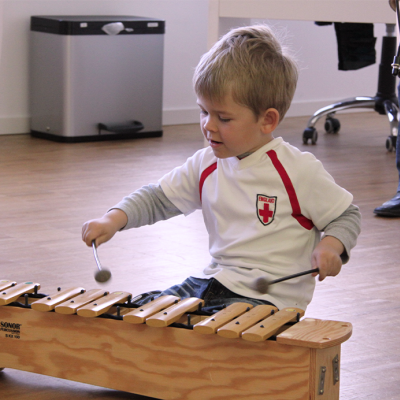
(96,257)
(285,278)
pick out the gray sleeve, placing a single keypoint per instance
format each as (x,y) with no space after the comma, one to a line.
(346,228)
(146,206)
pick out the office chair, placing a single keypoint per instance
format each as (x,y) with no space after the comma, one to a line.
(385,102)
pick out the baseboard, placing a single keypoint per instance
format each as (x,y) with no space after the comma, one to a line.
(96,138)
(297,109)
(14,125)
(19,125)
(308,108)
(181,116)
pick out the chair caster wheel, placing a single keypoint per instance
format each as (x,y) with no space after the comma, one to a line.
(391,143)
(332,125)
(310,133)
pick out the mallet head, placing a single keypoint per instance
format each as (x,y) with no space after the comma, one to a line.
(102,276)
(261,285)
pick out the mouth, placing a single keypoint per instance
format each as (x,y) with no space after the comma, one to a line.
(214,143)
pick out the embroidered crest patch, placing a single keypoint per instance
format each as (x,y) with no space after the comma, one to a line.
(266,207)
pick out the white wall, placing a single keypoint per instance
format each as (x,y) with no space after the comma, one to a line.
(320,82)
(315,47)
(185,41)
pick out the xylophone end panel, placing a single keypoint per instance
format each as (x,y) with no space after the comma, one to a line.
(174,313)
(140,315)
(211,324)
(50,302)
(235,328)
(316,333)
(271,325)
(12,293)
(102,305)
(325,373)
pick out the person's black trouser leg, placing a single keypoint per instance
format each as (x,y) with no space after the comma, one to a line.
(392,207)
(398,156)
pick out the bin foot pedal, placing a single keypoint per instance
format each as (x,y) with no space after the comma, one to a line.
(134,127)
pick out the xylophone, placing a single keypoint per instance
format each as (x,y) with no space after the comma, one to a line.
(105,339)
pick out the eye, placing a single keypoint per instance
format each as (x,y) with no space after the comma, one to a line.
(224,119)
(203,112)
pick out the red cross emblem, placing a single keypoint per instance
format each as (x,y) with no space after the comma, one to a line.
(266,206)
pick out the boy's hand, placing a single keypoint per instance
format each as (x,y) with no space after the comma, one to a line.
(326,257)
(103,229)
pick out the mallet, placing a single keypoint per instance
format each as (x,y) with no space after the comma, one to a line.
(103,274)
(262,284)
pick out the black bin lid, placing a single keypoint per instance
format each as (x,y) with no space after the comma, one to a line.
(92,24)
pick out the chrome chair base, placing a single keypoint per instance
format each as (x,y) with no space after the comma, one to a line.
(332,125)
(385,102)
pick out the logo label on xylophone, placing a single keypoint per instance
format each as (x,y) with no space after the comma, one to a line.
(12,330)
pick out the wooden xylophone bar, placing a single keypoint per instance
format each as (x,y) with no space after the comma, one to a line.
(221,356)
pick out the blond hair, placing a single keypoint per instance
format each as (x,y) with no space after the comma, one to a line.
(250,64)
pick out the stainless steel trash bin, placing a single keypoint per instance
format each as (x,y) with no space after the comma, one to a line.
(96,77)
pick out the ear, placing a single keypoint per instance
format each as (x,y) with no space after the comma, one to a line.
(269,120)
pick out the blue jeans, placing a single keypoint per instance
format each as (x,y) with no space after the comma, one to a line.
(215,295)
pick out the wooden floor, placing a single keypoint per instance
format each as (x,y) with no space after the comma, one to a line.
(48,189)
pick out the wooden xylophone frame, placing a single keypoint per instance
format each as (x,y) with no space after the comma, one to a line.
(173,363)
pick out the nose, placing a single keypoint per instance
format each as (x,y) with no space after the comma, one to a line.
(208,124)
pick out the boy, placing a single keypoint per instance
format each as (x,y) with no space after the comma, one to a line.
(264,202)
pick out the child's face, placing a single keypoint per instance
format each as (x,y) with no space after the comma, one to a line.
(232,129)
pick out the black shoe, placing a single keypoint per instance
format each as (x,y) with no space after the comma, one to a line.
(389,209)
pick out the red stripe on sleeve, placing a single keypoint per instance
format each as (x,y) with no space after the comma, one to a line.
(209,170)
(303,221)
